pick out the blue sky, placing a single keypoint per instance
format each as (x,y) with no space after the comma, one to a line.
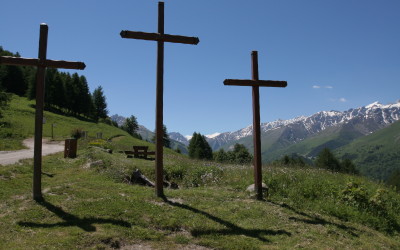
(335,55)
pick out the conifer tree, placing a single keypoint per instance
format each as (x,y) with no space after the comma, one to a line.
(326,159)
(59,94)
(84,97)
(99,103)
(199,147)
(131,125)
(220,156)
(394,179)
(347,166)
(69,93)
(242,155)
(50,90)
(4,99)
(166,140)
(12,78)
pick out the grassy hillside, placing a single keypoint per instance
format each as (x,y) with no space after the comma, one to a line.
(377,155)
(332,137)
(18,124)
(89,204)
(92,207)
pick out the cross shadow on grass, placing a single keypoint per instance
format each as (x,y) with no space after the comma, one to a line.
(315,220)
(231,229)
(71,220)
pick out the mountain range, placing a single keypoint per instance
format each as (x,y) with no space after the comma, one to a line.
(308,135)
(364,121)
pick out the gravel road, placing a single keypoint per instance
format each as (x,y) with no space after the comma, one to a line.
(48,147)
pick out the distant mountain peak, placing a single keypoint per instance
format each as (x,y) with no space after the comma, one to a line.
(213,135)
(374,105)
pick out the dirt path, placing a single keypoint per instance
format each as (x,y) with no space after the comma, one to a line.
(48,147)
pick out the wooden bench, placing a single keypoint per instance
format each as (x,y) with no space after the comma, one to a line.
(140,152)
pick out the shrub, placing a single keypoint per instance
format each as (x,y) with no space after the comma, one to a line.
(355,195)
(76,133)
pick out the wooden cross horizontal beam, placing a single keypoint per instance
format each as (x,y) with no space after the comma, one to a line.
(255,83)
(20,61)
(159,37)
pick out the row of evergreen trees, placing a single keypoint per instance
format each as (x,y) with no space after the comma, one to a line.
(200,149)
(325,159)
(239,155)
(63,91)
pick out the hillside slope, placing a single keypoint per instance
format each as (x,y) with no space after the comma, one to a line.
(90,203)
(378,154)
(91,206)
(18,124)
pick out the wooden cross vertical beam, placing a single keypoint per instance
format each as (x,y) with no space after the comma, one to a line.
(37,153)
(41,63)
(160,37)
(255,83)
(256,126)
(160,105)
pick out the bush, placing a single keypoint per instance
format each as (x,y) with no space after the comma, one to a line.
(77,133)
(100,143)
(355,195)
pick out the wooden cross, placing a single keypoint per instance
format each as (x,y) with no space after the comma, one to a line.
(160,37)
(41,63)
(255,83)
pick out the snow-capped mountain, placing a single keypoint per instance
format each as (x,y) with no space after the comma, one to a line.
(179,138)
(365,120)
(368,119)
(118,119)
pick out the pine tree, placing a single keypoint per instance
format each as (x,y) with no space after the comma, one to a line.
(347,166)
(220,156)
(166,140)
(326,159)
(12,78)
(4,99)
(131,125)
(50,89)
(99,103)
(59,94)
(394,179)
(242,155)
(199,147)
(69,93)
(84,97)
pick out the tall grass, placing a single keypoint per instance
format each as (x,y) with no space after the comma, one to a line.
(350,198)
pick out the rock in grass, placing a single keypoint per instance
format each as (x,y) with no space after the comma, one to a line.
(138,178)
(98,163)
(252,191)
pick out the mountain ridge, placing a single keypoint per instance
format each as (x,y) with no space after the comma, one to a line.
(375,115)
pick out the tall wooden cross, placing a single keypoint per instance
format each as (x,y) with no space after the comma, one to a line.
(255,83)
(41,63)
(160,37)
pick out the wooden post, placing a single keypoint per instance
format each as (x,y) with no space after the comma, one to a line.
(256,128)
(37,155)
(41,63)
(160,37)
(160,104)
(255,83)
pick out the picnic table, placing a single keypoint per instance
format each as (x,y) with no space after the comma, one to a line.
(139,152)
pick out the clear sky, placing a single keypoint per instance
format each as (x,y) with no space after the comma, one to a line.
(335,55)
